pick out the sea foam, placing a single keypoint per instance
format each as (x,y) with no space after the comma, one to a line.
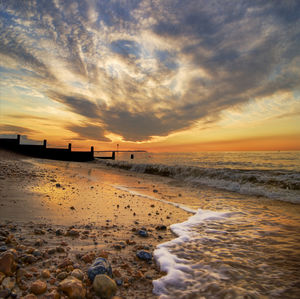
(179,270)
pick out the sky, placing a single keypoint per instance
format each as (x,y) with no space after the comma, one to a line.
(160,75)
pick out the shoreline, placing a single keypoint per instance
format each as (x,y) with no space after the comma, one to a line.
(41,197)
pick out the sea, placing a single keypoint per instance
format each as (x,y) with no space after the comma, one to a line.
(242,239)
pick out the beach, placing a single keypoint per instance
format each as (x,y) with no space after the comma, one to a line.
(60,216)
(40,199)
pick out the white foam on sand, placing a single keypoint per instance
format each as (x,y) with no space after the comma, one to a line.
(179,270)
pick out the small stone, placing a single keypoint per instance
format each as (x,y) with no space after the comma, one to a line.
(88,258)
(104,286)
(9,283)
(51,251)
(66,262)
(62,275)
(155,190)
(77,273)
(45,273)
(143,233)
(100,266)
(30,296)
(38,231)
(37,253)
(161,227)
(73,288)
(59,232)
(72,233)
(3,248)
(38,287)
(60,249)
(144,255)
(4,293)
(116,273)
(2,276)
(53,295)
(29,259)
(57,185)
(7,263)
(39,242)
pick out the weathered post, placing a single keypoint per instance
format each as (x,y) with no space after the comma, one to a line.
(113,157)
(18,139)
(132,156)
(70,147)
(45,143)
(92,151)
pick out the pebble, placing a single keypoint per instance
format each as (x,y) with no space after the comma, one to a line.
(45,273)
(62,275)
(100,266)
(2,276)
(3,248)
(38,287)
(73,288)
(59,232)
(7,263)
(77,273)
(144,255)
(53,295)
(30,296)
(143,233)
(29,259)
(4,293)
(9,283)
(161,227)
(104,286)
(72,233)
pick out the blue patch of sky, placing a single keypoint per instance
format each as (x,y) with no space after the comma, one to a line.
(77,84)
(167,59)
(126,48)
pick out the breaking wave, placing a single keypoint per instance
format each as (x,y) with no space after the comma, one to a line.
(275,184)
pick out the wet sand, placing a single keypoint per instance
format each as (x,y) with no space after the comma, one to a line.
(58,211)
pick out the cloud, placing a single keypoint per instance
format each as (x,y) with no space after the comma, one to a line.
(15,129)
(89,131)
(77,104)
(141,69)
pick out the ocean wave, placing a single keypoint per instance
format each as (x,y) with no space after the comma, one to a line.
(275,184)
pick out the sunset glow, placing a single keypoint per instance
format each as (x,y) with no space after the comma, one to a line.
(160,76)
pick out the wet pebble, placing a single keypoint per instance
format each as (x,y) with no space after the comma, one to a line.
(144,255)
(100,266)
(104,286)
(73,288)
(38,287)
(143,233)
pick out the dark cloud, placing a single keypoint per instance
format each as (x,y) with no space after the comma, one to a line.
(77,104)
(15,129)
(89,131)
(144,69)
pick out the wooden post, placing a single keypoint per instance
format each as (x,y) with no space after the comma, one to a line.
(92,151)
(132,156)
(18,139)
(113,157)
(70,146)
(45,143)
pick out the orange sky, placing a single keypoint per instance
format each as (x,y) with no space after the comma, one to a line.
(192,78)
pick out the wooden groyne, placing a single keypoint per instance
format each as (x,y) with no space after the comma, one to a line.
(41,151)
